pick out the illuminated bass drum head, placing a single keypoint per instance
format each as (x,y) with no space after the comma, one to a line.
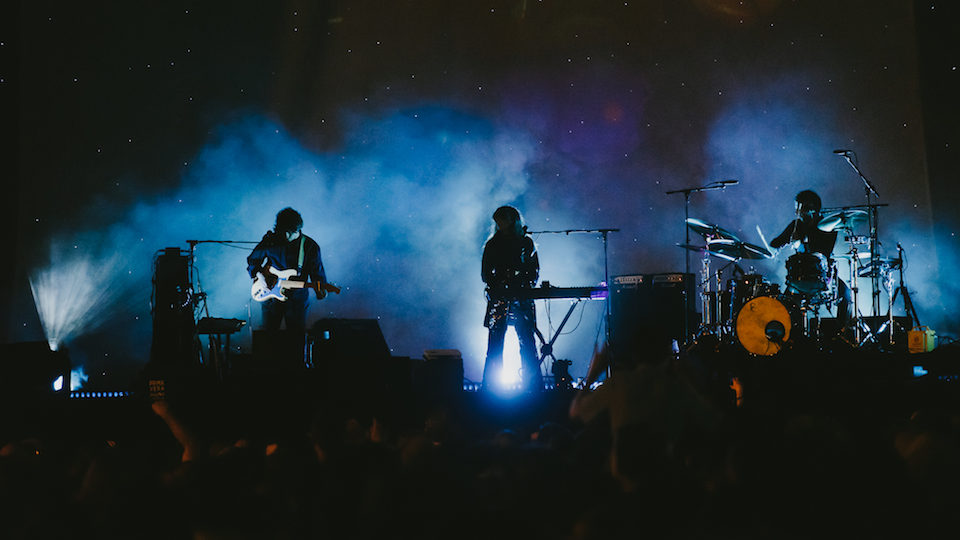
(763,326)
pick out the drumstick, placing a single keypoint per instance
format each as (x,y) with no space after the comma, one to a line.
(775,252)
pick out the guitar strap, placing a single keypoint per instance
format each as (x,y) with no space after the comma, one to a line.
(300,257)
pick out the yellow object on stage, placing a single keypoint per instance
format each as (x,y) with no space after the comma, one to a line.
(921,339)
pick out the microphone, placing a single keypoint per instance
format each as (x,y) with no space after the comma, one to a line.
(841,152)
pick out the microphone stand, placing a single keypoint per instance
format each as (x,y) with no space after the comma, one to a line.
(686,211)
(872,218)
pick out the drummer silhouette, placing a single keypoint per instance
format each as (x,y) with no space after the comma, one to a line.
(810,270)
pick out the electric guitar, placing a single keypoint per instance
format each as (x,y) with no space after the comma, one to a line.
(271,283)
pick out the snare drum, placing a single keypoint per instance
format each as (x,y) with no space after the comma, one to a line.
(807,273)
(767,324)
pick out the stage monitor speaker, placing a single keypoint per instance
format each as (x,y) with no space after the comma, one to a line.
(348,338)
(279,350)
(646,307)
(352,352)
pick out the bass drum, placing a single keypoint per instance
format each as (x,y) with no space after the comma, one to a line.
(767,324)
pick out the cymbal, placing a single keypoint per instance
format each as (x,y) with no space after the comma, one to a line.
(737,249)
(875,268)
(692,247)
(710,230)
(842,219)
(860,255)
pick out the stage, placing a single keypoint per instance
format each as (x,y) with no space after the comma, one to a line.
(264,399)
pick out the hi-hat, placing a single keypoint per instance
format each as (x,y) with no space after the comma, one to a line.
(708,230)
(842,219)
(878,266)
(849,255)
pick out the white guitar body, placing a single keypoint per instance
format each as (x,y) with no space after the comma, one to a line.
(262,291)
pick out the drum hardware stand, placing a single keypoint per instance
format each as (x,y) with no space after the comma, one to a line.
(709,307)
(907,302)
(727,324)
(859,338)
(713,325)
(890,324)
(810,313)
(686,211)
(872,219)
(855,289)
(868,336)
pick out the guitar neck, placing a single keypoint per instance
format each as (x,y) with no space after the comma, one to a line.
(290,284)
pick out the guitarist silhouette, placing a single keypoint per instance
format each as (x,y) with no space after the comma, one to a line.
(286,265)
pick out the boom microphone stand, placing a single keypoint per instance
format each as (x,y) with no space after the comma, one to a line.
(874,245)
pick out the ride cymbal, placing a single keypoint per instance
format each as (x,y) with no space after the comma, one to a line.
(842,219)
(709,230)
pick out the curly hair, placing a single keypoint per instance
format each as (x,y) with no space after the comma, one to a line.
(288,220)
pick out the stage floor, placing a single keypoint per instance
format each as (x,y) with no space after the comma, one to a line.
(869,384)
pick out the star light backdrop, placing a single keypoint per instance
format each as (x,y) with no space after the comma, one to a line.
(396,128)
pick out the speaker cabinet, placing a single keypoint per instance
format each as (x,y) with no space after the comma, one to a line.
(649,307)
(174,329)
(442,371)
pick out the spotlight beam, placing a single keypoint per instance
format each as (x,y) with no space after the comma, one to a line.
(70,298)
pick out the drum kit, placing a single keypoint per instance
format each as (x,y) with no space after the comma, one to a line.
(764,319)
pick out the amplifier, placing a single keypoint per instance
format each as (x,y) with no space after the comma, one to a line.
(645,306)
